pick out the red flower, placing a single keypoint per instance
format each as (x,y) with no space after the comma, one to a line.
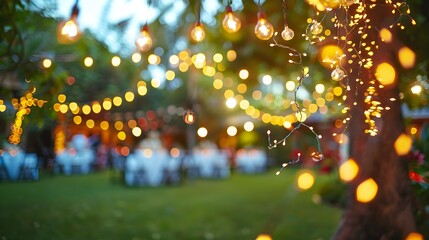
(416,177)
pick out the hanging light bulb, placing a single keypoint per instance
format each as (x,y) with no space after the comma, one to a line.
(189,117)
(287,33)
(316,28)
(144,40)
(231,23)
(68,31)
(263,29)
(338,74)
(197,33)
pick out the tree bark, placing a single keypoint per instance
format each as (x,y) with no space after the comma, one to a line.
(390,214)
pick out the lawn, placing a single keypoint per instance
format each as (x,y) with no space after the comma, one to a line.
(95,207)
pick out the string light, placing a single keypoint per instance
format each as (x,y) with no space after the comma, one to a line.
(287,33)
(264,30)
(231,23)
(197,33)
(68,31)
(144,40)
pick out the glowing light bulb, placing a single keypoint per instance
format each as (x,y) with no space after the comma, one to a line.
(70,29)
(198,34)
(287,33)
(189,117)
(144,40)
(263,29)
(316,28)
(338,74)
(317,156)
(416,89)
(231,23)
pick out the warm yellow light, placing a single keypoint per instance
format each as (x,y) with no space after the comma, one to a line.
(202,132)
(189,117)
(329,56)
(96,107)
(136,57)
(241,88)
(414,236)
(320,88)
(90,123)
(144,40)
(119,125)
(86,109)
(132,123)
(243,74)
(217,84)
(403,144)
(107,104)
(231,23)
(154,59)
(385,74)
(406,57)
(64,108)
(257,95)
(366,191)
(416,89)
(348,170)
(88,61)
(142,90)
(137,132)
(287,124)
(217,57)
(248,126)
(104,125)
(116,61)
(62,98)
(122,135)
(117,101)
(385,35)
(290,85)
(263,236)
(231,131)
(413,130)
(301,116)
(70,29)
(129,96)
(267,79)
(338,91)
(263,29)
(170,75)
(209,71)
(305,181)
(197,33)
(231,55)
(244,104)
(77,119)
(47,63)
(231,102)
(174,60)
(155,83)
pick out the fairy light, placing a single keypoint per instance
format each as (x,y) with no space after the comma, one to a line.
(231,23)
(68,31)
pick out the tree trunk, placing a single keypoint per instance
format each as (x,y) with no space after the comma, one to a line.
(390,214)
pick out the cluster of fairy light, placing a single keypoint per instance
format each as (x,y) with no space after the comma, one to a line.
(360,53)
(23,107)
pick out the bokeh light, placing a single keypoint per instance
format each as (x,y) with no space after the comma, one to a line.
(366,191)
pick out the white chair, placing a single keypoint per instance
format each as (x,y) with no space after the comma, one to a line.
(30,169)
(12,163)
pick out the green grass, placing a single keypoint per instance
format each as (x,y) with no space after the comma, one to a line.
(94,207)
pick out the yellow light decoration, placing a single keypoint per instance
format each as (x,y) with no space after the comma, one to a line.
(231,55)
(231,131)
(267,79)
(416,89)
(122,135)
(320,88)
(2,106)
(90,123)
(197,33)
(290,86)
(202,132)
(119,125)
(136,57)
(116,61)
(403,144)
(117,101)
(96,107)
(264,30)
(61,98)
(68,31)
(231,102)
(263,236)
(88,62)
(155,83)
(137,132)
(330,56)
(231,23)
(174,60)
(104,125)
(316,28)
(385,35)
(107,104)
(144,40)
(132,123)
(385,74)
(86,109)
(338,74)
(170,75)
(217,57)
(414,236)
(64,108)
(305,181)
(348,170)
(73,106)
(129,96)
(249,126)
(413,130)
(366,191)
(189,117)
(77,119)
(287,33)
(406,57)
(47,63)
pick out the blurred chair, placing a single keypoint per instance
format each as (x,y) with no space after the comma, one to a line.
(29,169)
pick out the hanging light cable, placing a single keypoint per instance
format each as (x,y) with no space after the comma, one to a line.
(231,23)
(264,30)
(144,40)
(197,33)
(68,31)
